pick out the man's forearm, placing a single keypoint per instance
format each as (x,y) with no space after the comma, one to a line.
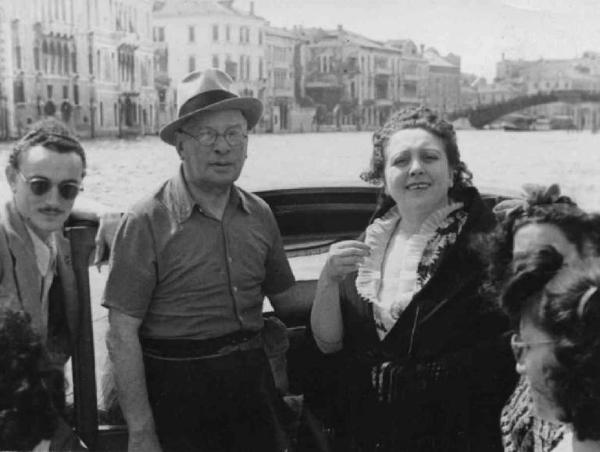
(126,355)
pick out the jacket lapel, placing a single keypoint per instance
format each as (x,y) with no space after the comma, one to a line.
(25,273)
(455,273)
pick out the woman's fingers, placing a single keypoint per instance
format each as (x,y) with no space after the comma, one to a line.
(350,244)
(345,257)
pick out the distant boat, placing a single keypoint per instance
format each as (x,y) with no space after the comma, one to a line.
(541,124)
(517,123)
(562,123)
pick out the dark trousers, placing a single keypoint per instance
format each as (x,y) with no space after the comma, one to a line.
(225,403)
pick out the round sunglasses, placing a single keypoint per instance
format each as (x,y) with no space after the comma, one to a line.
(39,186)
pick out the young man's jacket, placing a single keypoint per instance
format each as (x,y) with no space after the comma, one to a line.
(21,282)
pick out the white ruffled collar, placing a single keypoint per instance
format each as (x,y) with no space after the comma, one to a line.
(377,237)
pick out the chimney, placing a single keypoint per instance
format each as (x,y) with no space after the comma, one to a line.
(252,8)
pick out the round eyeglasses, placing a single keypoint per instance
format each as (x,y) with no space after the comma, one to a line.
(208,137)
(39,186)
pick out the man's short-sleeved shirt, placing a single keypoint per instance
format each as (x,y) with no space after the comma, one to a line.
(190,275)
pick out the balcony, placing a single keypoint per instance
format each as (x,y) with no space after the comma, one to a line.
(323,80)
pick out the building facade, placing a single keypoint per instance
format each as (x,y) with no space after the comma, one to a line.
(86,62)
(358,81)
(7,126)
(198,34)
(412,74)
(545,76)
(120,53)
(443,90)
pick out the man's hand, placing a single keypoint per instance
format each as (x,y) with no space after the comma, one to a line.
(107,228)
(144,441)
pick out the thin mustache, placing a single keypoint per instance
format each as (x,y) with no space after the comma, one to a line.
(51,210)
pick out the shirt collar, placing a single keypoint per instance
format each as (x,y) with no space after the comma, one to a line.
(45,251)
(180,202)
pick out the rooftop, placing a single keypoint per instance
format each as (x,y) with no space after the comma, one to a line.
(170,8)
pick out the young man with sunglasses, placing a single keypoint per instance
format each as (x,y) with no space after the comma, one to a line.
(45,171)
(190,267)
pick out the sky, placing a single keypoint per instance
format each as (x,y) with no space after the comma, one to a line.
(480,31)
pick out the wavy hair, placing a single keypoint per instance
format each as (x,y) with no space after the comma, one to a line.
(541,205)
(31,391)
(417,118)
(569,312)
(49,133)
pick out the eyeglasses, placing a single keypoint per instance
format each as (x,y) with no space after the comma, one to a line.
(39,186)
(208,137)
(522,346)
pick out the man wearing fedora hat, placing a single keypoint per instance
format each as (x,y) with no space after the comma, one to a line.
(190,267)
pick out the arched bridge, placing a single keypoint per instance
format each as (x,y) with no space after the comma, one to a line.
(484,114)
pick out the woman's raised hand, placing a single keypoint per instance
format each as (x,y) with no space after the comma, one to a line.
(344,257)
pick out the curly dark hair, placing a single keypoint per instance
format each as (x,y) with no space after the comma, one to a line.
(51,134)
(569,312)
(543,205)
(31,390)
(417,118)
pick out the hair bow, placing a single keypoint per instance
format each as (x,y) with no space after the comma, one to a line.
(533,195)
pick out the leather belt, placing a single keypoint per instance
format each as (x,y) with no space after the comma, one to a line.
(191,349)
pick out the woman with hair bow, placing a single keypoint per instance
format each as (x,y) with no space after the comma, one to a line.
(543,218)
(557,344)
(425,365)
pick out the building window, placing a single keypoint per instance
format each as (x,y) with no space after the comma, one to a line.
(66,58)
(192,64)
(260,68)
(101,114)
(74,61)
(65,92)
(159,34)
(242,67)
(228,33)
(215,32)
(76,94)
(191,34)
(244,35)
(36,58)
(215,61)
(231,68)
(15,38)
(49,91)
(19,91)
(260,37)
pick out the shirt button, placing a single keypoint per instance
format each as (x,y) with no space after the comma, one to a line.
(235,288)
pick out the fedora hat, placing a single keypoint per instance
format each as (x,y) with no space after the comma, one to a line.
(209,90)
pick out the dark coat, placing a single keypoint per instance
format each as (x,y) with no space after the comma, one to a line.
(21,286)
(451,348)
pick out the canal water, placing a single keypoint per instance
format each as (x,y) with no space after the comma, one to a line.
(122,171)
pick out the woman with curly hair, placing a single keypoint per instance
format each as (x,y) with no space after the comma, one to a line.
(31,391)
(543,218)
(557,344)
(425,364)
